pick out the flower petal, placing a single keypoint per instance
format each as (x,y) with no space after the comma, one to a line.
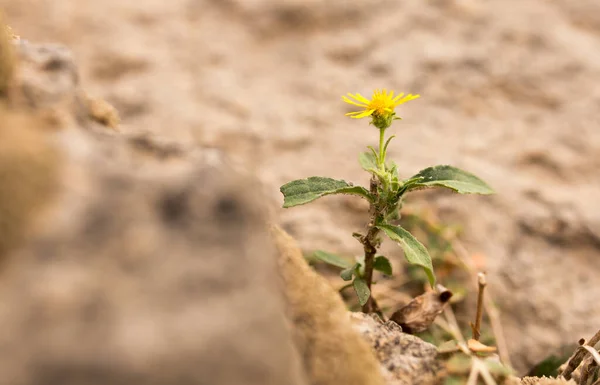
(364,114)
(360,98)
(349,101)
(405,99)
(398,97)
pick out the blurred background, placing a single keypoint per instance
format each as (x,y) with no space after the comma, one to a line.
(510,90)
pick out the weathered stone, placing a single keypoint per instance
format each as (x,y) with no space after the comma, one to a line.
(155,275)
(404,358)
(333,353)
(47,81)
(28,175)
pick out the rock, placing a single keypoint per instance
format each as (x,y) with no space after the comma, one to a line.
(139,274)
(404,359)
(101,112)
(47,81)
(332,352)
(7,58)
(151,261)
(28,175)
(126,259)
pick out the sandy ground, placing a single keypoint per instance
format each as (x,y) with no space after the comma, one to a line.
(510,91)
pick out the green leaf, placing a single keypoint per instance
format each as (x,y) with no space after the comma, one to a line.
(368,161)
(382,264)
(387,143)
(373,152)
(414,252)
(332,259)
(362,290)
(407,185)
(392,168)
(303,191)
(347,274)
(453,178)
(360,259)
(393,215)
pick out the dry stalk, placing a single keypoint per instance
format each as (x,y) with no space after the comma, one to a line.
(478,368)
(473,375)
(477,326)
(594,353)
(590,365)
(585,372)
(490,309)
(453,324)
(578,356)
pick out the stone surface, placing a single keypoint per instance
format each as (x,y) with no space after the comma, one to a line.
(133,259)
(404,359)
(28,173)
(127,259)
(332,351)
(157,274)
(47,81)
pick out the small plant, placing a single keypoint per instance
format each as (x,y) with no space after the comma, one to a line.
(384,195)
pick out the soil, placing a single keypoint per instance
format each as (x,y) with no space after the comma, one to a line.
(508,92)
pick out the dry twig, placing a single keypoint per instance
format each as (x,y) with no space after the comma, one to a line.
(594,353)
(579,354)
(490,309)
(585,371)
(478,368)
(590,364)
(477,326)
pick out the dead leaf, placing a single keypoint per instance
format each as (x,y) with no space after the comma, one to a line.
(477,347)
(420,313)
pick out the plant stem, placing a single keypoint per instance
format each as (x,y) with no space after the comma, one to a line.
(381,152)
(369,243)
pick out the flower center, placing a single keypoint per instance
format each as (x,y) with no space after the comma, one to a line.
(380,106)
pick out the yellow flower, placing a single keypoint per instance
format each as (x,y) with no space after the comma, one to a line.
(380,107)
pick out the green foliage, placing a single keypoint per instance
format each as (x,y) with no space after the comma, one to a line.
(451,177)
(355,270)
(368,161)
(385,194)
(347,274)
(332,259)
(438,238)
(303,191)
(395,178)
(414,252)
(362,290)
(382,264)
